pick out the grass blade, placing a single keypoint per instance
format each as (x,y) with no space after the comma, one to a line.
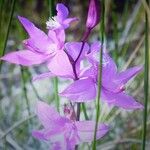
(146,80)
(24,89)
(100,73)
(84,111)
(8,29)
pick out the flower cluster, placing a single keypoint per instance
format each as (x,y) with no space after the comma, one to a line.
(65,59)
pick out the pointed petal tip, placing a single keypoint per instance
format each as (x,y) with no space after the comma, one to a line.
(21,19)
(41,103)
(139,106)
(135,106)
(42,76)
(38,134)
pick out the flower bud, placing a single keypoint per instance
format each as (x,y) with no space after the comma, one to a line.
(93,17)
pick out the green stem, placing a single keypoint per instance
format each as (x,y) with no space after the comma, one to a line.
(25,90)
(78,111)
(51,4)
(8,29)
(146,80)
(32,85)
(115,35)
(1,12)
(56,92)
(84,111)
(99,74)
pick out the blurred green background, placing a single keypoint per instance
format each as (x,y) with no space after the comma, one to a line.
(124,39)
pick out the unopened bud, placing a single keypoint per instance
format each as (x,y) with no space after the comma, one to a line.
(93,17)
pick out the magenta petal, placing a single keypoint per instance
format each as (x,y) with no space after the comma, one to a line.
(80,91)
(43,76)
(109,72)
(49,117)
(89,72)
(60,34)
(85,130)
(74,48)
(62,12)
(93,56)
(32,30)
(121,100)
(93,17)
(68,21)
(126,75)
(38,40)
(39,134)
(46,134)
(25,58)
(60,65)
(109,69)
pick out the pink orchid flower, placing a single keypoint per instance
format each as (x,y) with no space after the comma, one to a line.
(113,83)
(43,48)
(64,132)
(61,21)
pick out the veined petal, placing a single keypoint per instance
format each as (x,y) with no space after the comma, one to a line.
(93,54)
(81,90)
(38,40)
(62,12)
(60,34)
(49,117)
(109,71)
(46,134)
(42,76)
(68,21)
(74,48)
(60,65)
(121,100)
(126,75)
(32,30)
(89,72)
(39,134)
(85,130)
(25,58)
(93,17)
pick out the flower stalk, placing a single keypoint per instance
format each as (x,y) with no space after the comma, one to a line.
(146,80)
(99,74)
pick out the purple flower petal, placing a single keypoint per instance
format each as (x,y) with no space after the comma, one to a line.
(32,30)
(109,69)
(42,76)
(74,48)
(39,134)
(62,12)
(85,130)
(93,14)
(25,58)
(46,134)
(121,100)
(49,117)
(60,34)
(38,39)
(80,91)
(89,72)
(126,75)
(109,72)
(60,65)
(67,21)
